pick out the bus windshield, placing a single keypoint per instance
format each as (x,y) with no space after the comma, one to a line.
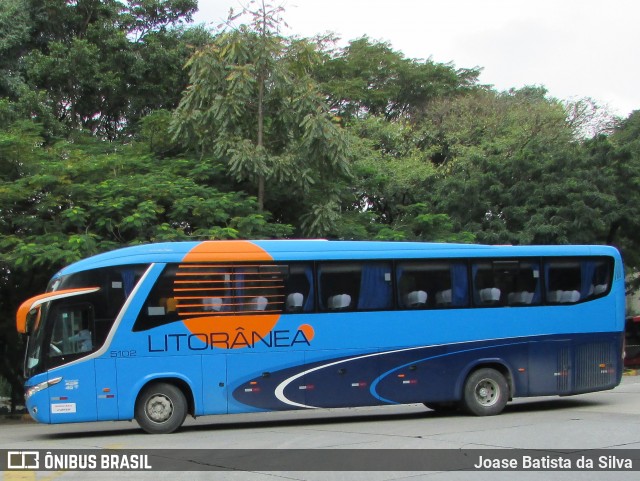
(77,323)
(34,345)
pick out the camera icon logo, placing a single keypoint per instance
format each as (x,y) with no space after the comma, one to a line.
(23,460)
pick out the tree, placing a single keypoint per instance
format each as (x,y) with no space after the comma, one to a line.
(14,32)
(99,65)
(391,173)
(63,202)
(253,103)
(369,78)
(514,168)
(615,170)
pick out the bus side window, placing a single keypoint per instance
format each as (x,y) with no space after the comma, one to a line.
(506,282)
(299,293)
(258,289)
(564,280)
(570,281)
(363,286)
(339,285)
(413,281)
(431,284)
(525,288)
(485,285)
(161,306)
(596,277)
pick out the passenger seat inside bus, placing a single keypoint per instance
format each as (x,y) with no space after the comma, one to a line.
(212,303)
(295,301)
(416,299)
(339,302)
(522,298)
(563,297)
(490,295)
(258,303)
(443,298)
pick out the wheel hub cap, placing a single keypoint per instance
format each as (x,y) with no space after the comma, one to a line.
(486,393)
(159,408)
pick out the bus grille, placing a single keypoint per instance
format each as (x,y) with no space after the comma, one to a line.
(595,366)
(562,375)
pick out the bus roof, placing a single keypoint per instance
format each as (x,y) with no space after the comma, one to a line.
(300,250)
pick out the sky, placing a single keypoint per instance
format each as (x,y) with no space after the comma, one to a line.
(573,48)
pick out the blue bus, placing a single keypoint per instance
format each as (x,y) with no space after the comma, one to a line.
(161,331)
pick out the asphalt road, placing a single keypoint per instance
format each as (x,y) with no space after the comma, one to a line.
(605,420)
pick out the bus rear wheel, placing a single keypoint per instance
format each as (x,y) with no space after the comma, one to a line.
(486,392)
(161,408)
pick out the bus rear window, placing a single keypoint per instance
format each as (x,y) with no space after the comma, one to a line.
(570,281)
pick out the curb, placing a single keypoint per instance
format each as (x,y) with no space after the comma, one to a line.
(630,372)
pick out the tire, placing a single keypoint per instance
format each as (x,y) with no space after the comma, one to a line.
(486,392)
(161,408)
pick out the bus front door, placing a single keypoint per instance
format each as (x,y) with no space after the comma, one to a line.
(72,399)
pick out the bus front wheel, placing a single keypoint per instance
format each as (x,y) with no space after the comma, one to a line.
(486,392)
(161,408)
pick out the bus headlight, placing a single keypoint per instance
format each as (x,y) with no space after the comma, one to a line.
(41,387)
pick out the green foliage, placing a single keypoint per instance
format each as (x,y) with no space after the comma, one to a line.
(392,173)
(19,144)
(100,193)
(252,103)
(614,164)
(511,170)
(144,16)
(15,25)
(64,202)
(369,78)
(97,65)
(14,30)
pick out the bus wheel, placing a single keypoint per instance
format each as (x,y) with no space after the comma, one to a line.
(161,408)
(486,392)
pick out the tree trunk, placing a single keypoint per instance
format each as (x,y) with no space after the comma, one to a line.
(261,80)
